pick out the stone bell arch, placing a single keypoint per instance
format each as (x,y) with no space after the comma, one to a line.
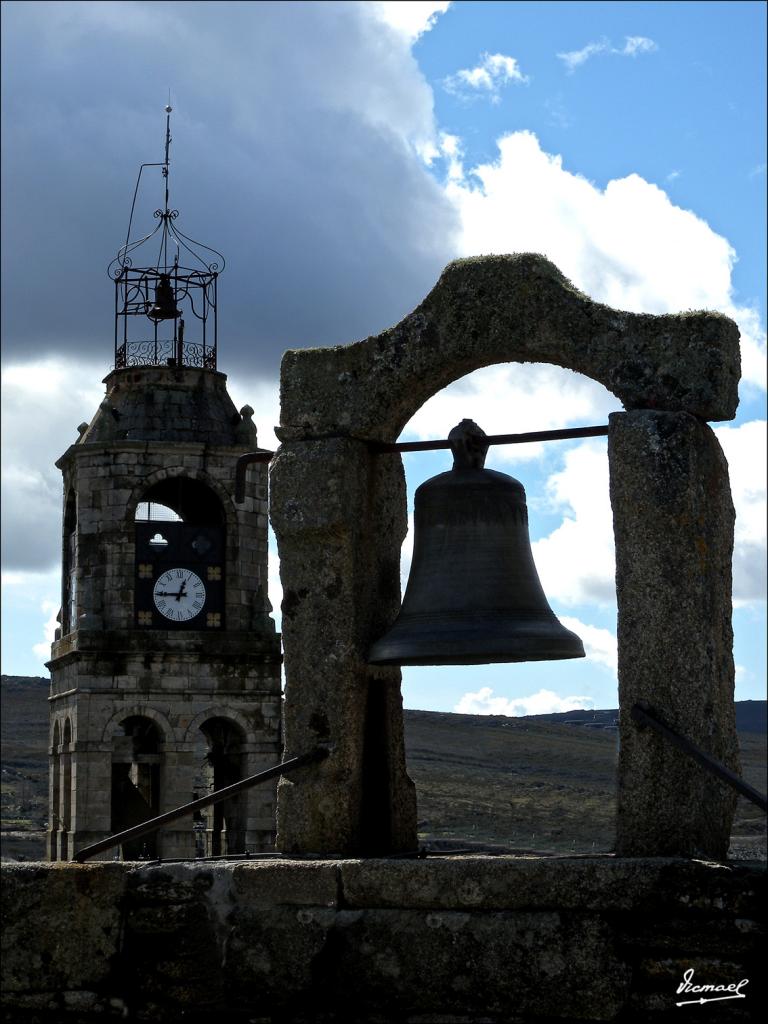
(339,514)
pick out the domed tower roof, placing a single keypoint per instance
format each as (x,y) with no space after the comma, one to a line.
(163,403)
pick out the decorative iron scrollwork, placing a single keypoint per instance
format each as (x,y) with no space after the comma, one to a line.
(165,352)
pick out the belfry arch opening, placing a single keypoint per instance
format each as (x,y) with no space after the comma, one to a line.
(505,778)
(180,499)
(180,534)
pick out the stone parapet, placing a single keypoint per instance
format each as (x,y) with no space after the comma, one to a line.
(498,940)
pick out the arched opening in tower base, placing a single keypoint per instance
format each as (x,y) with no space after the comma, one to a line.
(136,781)
(219,762)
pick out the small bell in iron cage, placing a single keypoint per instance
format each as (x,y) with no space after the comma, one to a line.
(164,307)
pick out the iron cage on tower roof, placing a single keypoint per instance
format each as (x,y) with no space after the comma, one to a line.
(153,299)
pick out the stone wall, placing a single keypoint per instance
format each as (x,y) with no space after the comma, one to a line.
(465,939)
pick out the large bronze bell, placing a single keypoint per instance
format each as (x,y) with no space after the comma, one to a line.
(473,595)
(164,307)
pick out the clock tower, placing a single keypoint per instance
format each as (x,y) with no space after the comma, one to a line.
(165,672)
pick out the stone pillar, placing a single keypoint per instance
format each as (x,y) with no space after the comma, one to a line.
(177,776)
(673,523)
(91,796)
(339,516)
(258,803)
(54,803)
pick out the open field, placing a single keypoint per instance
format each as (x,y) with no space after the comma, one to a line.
(529,783)
(523,783)
(512,781)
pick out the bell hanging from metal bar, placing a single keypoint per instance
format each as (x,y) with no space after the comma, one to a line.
(473,595)
(164,307)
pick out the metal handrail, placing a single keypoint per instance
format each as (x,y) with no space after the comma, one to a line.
(316,755)
(644,715)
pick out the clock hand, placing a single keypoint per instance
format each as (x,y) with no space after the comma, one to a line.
(178,594)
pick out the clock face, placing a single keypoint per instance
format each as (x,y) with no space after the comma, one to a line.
(180,576)
(179,594)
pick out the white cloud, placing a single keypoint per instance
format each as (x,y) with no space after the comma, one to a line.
(43,402)
(633,45)
(626,245)
(28,599)
(412,18)
(263,396)
(43,649)
(274,584)
(575,58)
(576,562)
(545,702)
(450,149)
(745,449)
(600,645)
(514,398)
(636,44)
(494,71)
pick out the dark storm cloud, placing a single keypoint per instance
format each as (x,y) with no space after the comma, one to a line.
(294,130)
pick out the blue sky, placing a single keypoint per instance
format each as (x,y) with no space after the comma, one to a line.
(340,155)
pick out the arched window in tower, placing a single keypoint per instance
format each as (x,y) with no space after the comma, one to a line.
(69,575)
(137,756)
(180,548)
(219,762)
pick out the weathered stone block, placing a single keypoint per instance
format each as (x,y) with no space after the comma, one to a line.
(291,883)
(447,962)
(61,925)
(673,522)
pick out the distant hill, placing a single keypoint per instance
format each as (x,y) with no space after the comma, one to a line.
(750,717)
(544,783)
(23,764)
